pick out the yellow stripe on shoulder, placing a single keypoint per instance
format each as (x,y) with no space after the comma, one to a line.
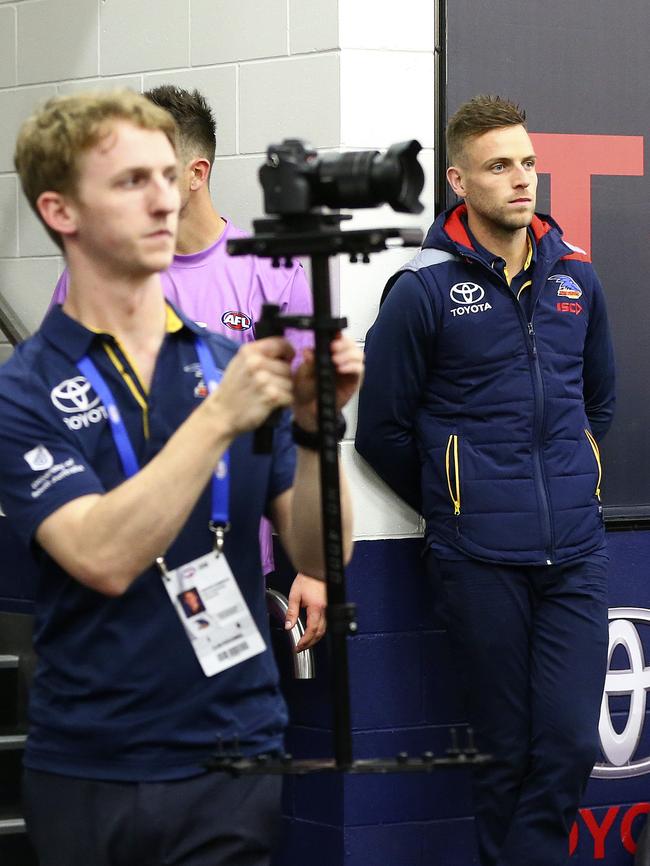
(173,322)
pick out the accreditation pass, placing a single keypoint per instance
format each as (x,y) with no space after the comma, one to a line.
(214,613)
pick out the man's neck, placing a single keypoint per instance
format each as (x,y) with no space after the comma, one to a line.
(509,245)
(131,310)
(199,226)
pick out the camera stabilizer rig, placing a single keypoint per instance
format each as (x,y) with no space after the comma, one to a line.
(296,183)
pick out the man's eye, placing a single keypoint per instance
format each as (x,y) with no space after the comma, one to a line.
(497,167)
(132,180)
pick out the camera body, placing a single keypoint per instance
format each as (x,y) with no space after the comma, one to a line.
(296,179)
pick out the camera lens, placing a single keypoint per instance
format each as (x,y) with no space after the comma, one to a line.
(364,178)
(296,179)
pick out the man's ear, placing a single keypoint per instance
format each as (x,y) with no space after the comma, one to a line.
(455,179)
(199,169)
(57,212)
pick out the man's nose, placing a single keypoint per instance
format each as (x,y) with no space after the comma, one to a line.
(522,176)
(164,195)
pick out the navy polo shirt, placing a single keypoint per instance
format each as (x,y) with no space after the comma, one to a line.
(118,693)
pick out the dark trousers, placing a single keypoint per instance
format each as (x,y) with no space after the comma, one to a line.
(531,648)
(208,820)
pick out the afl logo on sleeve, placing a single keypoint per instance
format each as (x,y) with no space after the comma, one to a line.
(236,320)
(39,459)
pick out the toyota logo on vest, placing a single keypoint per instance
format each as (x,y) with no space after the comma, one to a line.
(633,681)
(470,296)
(467,293)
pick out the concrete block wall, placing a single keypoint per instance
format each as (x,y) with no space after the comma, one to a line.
(343,75)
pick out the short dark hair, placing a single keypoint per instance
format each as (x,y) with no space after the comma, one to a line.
(197,128)
(477,116)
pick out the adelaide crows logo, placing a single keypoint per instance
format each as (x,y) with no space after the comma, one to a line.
(568,288)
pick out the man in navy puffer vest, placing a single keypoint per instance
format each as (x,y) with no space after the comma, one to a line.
(489,381)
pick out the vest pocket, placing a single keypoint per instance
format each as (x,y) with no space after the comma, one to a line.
(452,469)
(595,449)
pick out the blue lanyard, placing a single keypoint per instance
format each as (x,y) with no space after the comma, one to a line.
(221,475)
(220,487)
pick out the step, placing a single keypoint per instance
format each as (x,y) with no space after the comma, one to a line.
(11,742)
(11,824)
(9,661)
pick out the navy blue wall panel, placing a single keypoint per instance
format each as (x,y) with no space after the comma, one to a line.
(404,698)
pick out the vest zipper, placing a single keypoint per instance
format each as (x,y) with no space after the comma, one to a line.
(540,477)
(538,391)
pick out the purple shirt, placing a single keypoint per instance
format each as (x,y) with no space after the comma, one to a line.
(226,294)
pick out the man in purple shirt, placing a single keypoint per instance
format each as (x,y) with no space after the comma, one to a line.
(224,292)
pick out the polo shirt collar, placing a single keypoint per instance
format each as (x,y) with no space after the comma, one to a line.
(490,257)
(74,340)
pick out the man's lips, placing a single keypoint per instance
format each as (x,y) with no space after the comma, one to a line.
(160,233)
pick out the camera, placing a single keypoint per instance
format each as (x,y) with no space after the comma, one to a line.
(296,179)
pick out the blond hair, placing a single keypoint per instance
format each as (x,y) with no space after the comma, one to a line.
(477,116)
(51,141)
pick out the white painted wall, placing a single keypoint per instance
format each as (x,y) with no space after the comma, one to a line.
(344,74)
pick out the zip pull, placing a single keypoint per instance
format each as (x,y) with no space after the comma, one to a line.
(531,334)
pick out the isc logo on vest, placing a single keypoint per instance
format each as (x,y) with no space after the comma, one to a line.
(236,321)
(470,297)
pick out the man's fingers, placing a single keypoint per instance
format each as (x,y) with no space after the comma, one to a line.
(315,628)
(274,347)
(293,610)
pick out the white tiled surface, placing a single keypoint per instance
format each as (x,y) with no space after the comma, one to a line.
(386,96)
(131,82)
(404,26)
(314,25)
(296,98)
(57,40)
(33,240)
(378,513)
(7,46)
(8,217)
(138,35)
(235,30)
(235,189)
(32,280)
(15,107)
(362,285)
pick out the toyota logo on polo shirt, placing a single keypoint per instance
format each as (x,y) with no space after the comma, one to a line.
(632,681)
(72,395)
(466,293)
